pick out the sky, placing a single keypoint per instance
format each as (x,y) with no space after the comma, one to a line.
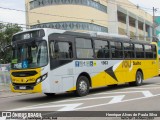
(12,16)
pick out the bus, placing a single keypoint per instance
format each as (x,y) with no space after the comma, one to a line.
(51,61)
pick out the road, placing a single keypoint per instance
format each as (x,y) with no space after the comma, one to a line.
(119,98)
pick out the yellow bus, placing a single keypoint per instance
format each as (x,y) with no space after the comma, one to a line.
(51,61)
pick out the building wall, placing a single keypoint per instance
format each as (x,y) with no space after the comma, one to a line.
(89,15)
(127,5)
(92,16)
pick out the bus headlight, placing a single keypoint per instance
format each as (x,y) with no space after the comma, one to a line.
(44,77)
(40,79)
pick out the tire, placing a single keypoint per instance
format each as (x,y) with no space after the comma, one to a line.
(82,86)
(139,79)
(49,94)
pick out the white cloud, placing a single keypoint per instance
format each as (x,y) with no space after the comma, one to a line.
(148,5)
(12,16)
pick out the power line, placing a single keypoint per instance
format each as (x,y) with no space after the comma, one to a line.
(50,14)
(14,24)
(125,4)
(128,5)
(91,20)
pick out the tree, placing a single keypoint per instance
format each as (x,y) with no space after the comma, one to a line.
(6,33)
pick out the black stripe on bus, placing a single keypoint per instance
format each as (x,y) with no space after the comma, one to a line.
(111,73)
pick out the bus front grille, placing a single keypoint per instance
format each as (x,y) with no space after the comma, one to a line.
(24,73)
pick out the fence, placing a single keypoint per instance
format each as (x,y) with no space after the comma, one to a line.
(4,77)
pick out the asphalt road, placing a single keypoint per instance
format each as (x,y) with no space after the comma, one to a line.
(119,98)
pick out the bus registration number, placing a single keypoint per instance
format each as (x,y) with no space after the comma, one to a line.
(22,87)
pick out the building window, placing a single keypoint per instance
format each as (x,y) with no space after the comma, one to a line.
(72,26)
(90,3)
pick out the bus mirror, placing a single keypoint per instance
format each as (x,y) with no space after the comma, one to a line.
(56,47)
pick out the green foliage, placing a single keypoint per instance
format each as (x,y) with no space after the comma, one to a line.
(6,33)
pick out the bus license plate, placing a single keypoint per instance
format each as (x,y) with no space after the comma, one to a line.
(22,87)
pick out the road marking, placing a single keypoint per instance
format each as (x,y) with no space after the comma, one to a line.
(114,100)
(69,107)
(117,99)
(98,105)
(142,88)
(145,93)
(66,107)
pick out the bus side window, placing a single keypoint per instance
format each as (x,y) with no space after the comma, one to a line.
(148,51)
(128,50)
(52,53)
(61,50)
(84,48)
(154,50)
(101,49)
(116,49)
(139,51)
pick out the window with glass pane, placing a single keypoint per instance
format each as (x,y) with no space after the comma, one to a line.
(154,50)
(139,51)
(84,48)
(101,49)
(116,49)
(148,51)
(128,50)
(61,50)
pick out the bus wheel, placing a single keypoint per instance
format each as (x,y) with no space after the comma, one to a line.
(49,94)
(82,86)
(139,79)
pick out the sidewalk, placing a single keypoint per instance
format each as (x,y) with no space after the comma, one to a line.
(5,92)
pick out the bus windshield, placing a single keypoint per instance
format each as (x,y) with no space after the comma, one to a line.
(29,55)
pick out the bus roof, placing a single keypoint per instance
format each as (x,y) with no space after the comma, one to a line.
(88,33)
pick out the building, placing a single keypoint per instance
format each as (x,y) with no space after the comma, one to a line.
(157,26)
(112,16)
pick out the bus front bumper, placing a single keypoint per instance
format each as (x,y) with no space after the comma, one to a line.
(26,88)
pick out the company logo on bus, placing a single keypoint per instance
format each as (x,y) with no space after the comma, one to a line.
(85,63)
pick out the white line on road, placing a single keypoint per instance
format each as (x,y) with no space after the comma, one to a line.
(142,88)
(71,107)
(117,98)
(66,107)
(92,106)
(145,93)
